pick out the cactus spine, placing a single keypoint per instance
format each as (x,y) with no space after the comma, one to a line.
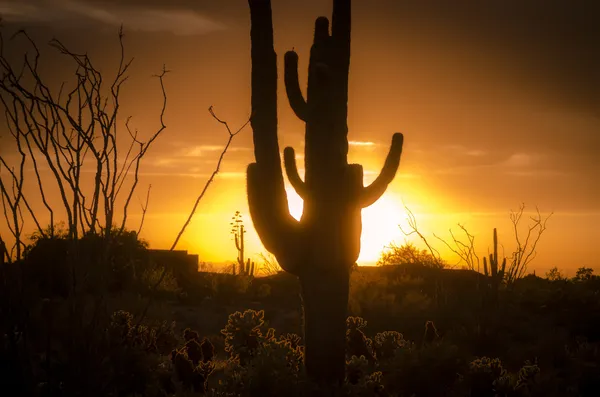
(321,248)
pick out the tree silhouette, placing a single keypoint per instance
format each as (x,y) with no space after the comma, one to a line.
(323,246)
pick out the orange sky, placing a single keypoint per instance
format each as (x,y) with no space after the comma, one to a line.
(497,109)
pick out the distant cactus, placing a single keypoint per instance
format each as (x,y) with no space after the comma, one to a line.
(246,267)
(323,246)
(494,272)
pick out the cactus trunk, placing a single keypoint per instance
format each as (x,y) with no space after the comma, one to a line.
(325,304)
(322,247)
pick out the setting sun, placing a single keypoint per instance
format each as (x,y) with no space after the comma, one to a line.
(380,224)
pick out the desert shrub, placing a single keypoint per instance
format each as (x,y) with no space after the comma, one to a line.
(584,274)
(93,263)
(408,254)
(555,275)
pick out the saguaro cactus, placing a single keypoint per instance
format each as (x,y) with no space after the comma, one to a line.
(323,246)
(495,272)
(246,267)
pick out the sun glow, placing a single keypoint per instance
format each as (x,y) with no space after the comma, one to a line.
(380,224)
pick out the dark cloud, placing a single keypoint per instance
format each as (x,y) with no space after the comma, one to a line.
(137,16)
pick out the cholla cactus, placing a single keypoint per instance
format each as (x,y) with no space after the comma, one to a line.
(293,340)
(356,369)
(387,343)
(358,344)
(484,374)
(527,375)
(244,334)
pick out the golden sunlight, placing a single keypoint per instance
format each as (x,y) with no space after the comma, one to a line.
(380,224)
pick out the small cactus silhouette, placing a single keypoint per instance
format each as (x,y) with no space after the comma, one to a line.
(494,272)
(246,267)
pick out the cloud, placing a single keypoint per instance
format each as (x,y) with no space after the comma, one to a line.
(200,150)
(203,175)
(147,19)
(361,143)
(519,160)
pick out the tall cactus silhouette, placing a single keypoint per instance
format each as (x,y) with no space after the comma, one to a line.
(322,247)
(495,272)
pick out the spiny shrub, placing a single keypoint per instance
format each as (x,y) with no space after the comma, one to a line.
(387,343)
(244,333)
(357,343)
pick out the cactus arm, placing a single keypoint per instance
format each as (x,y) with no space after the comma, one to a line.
(241,243)
(341,22)
(289,160)
(277,229)
(375,190)
(496,246)
(485,267)
(264,86)
(267,199)
(340,31)
(292,85)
